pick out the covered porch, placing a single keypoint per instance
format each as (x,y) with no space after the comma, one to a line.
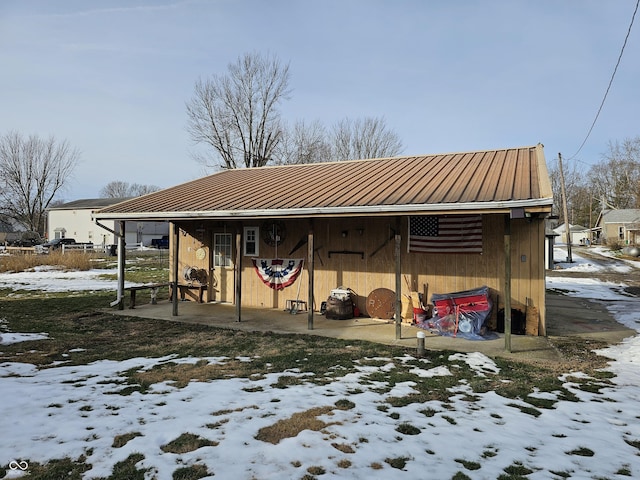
(524,347)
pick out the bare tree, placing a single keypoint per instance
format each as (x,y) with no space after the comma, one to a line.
(366,137)
(32,172)
(574,187)
(237,114)
(304,143)
(616,179)
(120,189)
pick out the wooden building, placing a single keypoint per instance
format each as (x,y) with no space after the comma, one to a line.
(363,225)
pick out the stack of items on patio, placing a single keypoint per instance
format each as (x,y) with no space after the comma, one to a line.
(414,305)
(461,314)
(341,304)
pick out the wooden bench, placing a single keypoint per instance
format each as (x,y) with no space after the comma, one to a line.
(150,286)
(184,289)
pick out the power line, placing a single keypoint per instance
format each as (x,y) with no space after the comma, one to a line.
(610,82)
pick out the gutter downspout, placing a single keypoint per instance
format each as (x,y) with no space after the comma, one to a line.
(115,234)
(121,262)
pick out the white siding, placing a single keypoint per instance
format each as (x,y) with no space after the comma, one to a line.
(78,224)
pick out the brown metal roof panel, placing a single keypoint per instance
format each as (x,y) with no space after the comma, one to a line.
(301,187)
(373,184)
(286,185)
(493,162)
(505,181)
(534,181)
(445,180)
(325,183)
(411,181)
(522,183)
(404,179)
(364,181)
(463,177)
(437,167)
(477,171)
(416,184)
(334,187)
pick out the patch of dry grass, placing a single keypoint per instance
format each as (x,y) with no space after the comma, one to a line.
(292,426)
(181,374)
(343,447)
(69,261)
(187,442)
(121,440)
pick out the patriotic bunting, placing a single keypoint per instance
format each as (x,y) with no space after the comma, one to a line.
(278,273)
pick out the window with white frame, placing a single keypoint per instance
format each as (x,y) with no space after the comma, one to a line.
(222,250)
(251,245)
(621,233)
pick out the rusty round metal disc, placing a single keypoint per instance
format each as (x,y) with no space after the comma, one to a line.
(381,303)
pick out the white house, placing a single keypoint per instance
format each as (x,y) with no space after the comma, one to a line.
(579,234)
(75,220)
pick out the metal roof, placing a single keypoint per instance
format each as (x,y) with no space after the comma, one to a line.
(88,203)
(626,215)
(471,181)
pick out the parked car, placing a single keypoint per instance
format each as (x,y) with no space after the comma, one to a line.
(28,239)
(56,243)
(20,239)
(160,242)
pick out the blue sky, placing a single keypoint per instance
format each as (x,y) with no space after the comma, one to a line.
(113,77)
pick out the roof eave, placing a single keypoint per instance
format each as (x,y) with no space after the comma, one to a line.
(442,208)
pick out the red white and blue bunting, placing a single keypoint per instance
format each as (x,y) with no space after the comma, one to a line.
(278,273)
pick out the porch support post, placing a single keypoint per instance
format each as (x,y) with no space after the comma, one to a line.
(507,283)
(398,242)
(121,264)
(238,275)
(310,271)
(174,253)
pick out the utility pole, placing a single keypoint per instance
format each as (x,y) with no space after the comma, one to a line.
(590,219)
(565,210)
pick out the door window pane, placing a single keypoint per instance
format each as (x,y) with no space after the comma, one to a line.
(222,249)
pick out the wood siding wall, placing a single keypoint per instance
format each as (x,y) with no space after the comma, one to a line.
(364,272)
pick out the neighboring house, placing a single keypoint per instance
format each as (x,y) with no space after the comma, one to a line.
(618,226)
(579,234)
(74,220)
(363,225)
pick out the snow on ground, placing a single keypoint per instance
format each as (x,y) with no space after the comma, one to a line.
(8,338)
(54,280)
(68,411)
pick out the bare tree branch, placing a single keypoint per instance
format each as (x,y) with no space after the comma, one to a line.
(237,114)
(32,172)
(120,189)
(304,143)
(616,179)
(367,137)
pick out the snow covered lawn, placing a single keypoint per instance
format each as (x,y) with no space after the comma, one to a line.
(381,417)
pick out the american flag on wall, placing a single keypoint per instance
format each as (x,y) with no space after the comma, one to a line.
(445,234)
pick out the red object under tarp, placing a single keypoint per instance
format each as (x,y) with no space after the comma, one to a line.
(476,300)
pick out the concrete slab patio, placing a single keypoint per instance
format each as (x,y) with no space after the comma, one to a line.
(566,316)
